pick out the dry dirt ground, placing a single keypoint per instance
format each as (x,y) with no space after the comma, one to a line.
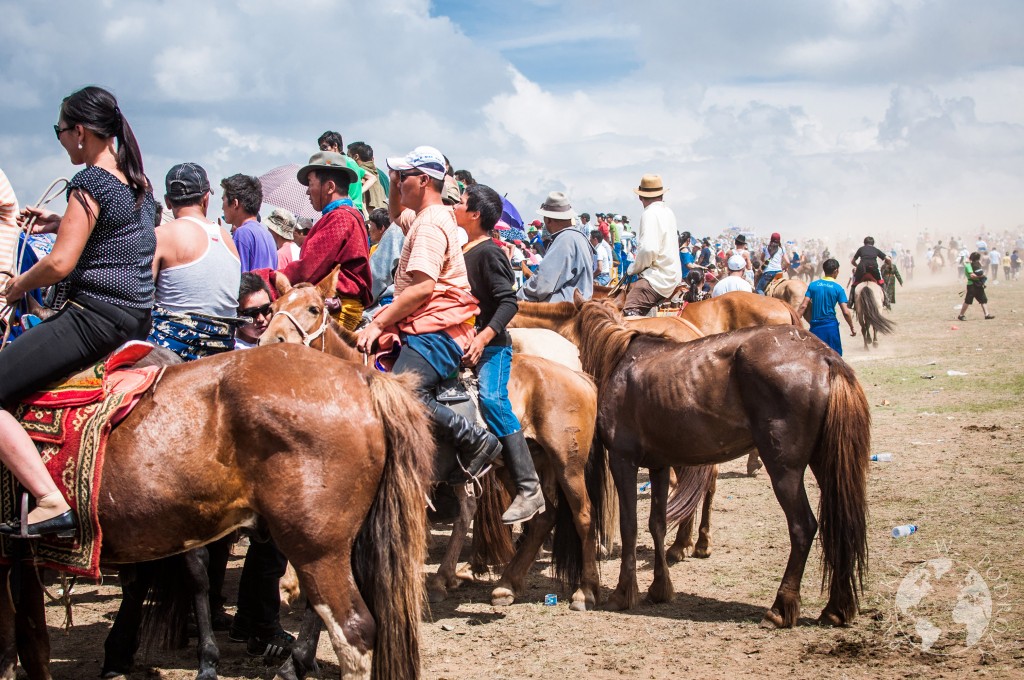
(956,473)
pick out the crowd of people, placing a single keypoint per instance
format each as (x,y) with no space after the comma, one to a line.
(424,276)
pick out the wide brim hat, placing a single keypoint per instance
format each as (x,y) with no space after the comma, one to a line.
(651,186)
(557,207)
(282,222)
(741,240)
(326,160)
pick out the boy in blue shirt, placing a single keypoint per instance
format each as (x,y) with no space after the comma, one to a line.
(823,295)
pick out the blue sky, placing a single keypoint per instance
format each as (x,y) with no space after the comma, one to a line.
(826,117)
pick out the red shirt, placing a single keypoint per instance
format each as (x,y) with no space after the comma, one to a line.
(337,238)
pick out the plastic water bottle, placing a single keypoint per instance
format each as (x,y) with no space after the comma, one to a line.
(904,530)
(645,486)
(881,458)
(550,600)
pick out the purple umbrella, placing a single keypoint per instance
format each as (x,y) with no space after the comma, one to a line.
(281,189)
(510,216)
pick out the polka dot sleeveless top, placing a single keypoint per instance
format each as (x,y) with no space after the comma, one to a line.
(116,265)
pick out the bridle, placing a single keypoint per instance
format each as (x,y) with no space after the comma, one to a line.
(307,337)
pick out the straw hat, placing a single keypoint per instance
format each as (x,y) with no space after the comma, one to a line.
(557,207)
(651,186)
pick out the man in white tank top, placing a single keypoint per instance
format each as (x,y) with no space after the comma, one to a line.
(197,272)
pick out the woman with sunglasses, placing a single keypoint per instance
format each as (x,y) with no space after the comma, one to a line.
(103,255)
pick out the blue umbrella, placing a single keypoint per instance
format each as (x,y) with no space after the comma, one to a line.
(510,216)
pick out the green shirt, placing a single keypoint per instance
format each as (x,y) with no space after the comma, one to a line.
(355,190)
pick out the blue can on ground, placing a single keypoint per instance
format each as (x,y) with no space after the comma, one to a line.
(550,600)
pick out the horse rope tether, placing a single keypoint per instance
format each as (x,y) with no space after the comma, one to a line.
(308,338)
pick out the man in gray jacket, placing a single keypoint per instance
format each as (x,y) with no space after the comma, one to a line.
(568,264)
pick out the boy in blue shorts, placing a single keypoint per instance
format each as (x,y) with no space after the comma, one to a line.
(823,295)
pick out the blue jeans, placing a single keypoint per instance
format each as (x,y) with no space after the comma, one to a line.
(763,282)
(604,279)
(493,371)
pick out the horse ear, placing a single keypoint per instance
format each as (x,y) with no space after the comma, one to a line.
(281,283)
(329,284)
(577,299)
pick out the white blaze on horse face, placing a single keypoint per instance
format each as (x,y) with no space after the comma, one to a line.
(354,664)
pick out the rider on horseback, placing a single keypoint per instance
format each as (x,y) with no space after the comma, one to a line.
(866,262)
(433,311)
(490,277)
(104,252)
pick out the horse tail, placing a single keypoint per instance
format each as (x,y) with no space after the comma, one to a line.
(566,545)
(492,540)
(388,554)
(868,312)
(168,602)
(692,483)
(603,498)
(840,465)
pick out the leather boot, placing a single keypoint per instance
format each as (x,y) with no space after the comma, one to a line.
(529,498)
(472,442)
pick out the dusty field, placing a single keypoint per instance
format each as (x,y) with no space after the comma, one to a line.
(956,473)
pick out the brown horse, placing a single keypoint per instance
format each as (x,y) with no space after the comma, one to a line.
(557,409)
(789,290)
(331,459)
(778,389)
(869,302)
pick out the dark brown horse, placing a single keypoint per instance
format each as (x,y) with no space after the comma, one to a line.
(778,389)
(331,459)
(557,408)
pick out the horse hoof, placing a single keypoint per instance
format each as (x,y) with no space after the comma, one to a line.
(436,595)
(660,594)
(620,603)
(828,618)
(581,602)
(701,553)
(502,597)
(772,619)
(674,556)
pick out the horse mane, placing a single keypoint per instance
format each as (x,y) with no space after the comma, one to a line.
(604,339)
(556,311)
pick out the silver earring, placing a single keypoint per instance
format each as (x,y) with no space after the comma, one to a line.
(79,145)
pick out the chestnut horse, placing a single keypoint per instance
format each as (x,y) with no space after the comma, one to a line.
(331,459)
(778,389)
(557,408)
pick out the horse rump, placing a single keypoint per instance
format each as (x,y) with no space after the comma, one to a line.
(868,312)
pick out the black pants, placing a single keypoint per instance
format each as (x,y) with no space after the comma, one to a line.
(259,596)
(82,333)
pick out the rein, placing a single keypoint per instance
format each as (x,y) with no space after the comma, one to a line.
(309,338)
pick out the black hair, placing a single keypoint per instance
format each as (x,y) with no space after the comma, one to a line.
(251,283)
(438,184)
(96,110)
(975,256)
(830,266)
(331,138)
(180,203)
(246,189)
(587,215)
(360,150)
(381,218)
(466,177)
(341,178)
(869,241)
(480,197)
(684,237)
(596,233)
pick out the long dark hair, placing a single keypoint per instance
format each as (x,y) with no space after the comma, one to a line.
(96,110)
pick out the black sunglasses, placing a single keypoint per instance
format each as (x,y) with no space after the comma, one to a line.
(57,130)
(255,312)
(408,173)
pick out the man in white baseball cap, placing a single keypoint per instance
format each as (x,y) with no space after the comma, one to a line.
(735,280)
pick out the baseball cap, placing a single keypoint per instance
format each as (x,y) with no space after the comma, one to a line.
(536,223)
(426,159)
(736,263)
(186,180)
(776,236)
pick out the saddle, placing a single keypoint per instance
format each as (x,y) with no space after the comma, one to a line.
(70,423)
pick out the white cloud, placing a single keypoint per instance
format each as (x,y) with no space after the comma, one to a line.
(827,115)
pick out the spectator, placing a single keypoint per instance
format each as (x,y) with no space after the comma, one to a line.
(374,194)
(281,224)
(240,204)
(974,272)
(823,295)
(332,141)
(735,280)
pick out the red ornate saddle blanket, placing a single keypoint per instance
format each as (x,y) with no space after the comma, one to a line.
(70,422)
